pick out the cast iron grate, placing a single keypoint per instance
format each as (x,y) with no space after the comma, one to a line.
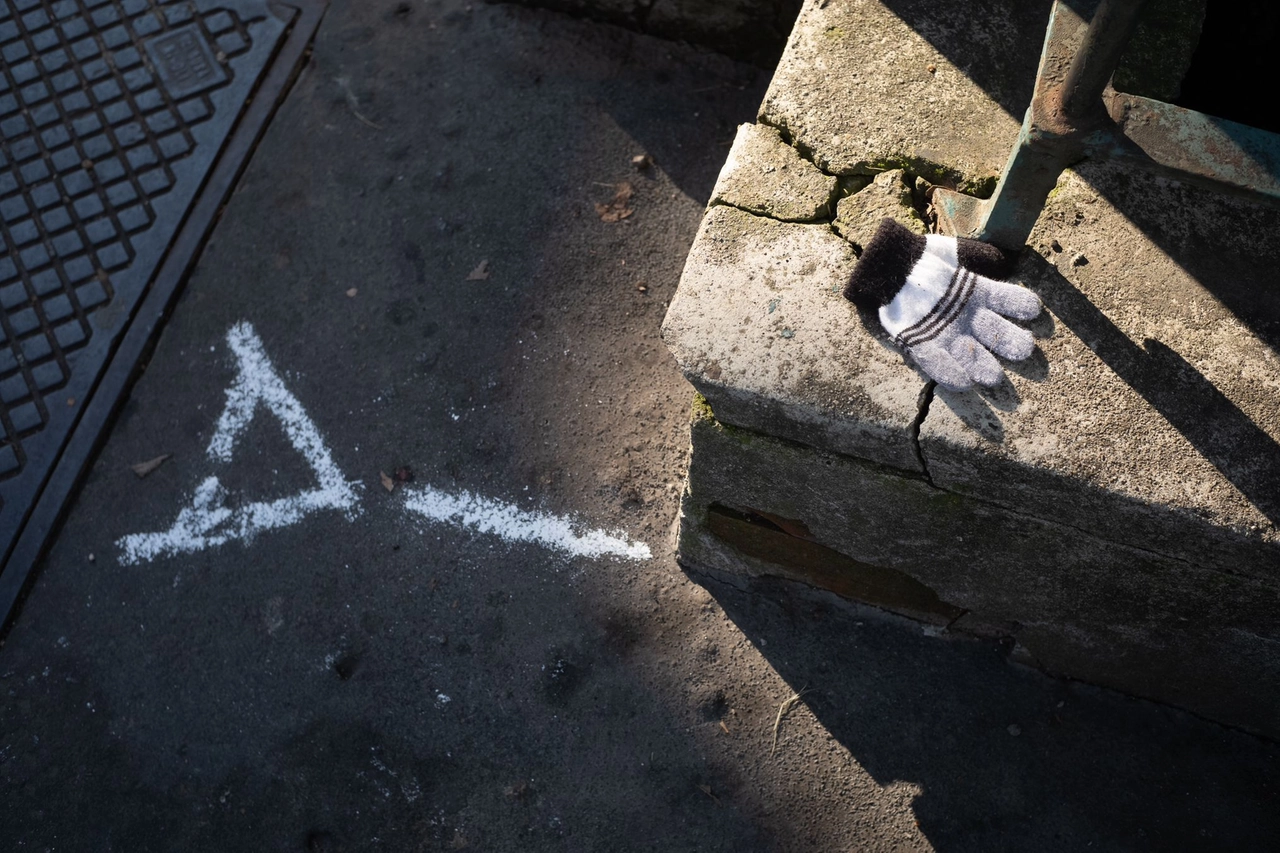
(90,140)
(113,114)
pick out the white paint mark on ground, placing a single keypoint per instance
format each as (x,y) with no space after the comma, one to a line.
(516,525)
(207,522)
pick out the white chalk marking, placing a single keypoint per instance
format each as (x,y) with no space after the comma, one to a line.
(516,525)
(207,522)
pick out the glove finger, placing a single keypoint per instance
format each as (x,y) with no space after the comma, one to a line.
(1011,300)
(981,365)
(1000,336)
(941,366)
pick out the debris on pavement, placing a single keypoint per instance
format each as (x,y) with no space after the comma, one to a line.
(344,83)
(783,710)
(387,483)
(142,469)
(617,209)
(480,273)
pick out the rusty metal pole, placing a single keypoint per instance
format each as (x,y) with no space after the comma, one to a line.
(1066,115)
(1073,116)
(1091,68)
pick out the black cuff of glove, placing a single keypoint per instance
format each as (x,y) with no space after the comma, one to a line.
(983,258)
(882,270)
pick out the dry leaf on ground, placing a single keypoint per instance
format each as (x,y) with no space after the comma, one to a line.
(616,209)
(387,483)
(142,469)
(480,273)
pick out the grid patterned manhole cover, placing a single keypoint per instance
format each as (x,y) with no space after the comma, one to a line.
(116,118)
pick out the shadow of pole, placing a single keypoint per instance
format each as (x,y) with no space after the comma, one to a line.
(1224,435)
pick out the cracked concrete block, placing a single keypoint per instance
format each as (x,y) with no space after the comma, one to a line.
(1151,414)
(1079,605)
(888,196)
(759,326)
(766,176)
(937,88)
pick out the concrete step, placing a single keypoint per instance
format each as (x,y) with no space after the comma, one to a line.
(1113,507)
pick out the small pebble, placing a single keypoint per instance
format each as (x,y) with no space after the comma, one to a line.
(1015,730)
(1079,261)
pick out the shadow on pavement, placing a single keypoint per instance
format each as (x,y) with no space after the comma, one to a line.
(1004,757)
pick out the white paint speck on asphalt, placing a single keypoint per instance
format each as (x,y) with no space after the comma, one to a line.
(485,515)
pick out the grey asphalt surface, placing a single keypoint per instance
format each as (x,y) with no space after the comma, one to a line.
(286,693)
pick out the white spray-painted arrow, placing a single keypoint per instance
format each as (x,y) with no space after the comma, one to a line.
(513,524)
(206,522)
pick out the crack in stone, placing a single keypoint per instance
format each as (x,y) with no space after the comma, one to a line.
(789,138)
(933,172)
(843,181)
(719,202)
(926,399)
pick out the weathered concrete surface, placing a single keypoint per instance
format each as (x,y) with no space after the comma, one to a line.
(1075,604)
(766,176)
(937,88)
(889,195)
(1151,414)
(760,327)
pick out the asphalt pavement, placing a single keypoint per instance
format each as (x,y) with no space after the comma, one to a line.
(403,579)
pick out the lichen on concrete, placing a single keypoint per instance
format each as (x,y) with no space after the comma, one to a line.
(766,176)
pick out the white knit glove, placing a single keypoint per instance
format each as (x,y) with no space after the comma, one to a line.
(935,305)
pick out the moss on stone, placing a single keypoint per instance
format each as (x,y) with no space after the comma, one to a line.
(934,173)
(701,410)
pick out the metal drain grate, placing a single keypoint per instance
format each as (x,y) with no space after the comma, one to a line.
(113,115)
